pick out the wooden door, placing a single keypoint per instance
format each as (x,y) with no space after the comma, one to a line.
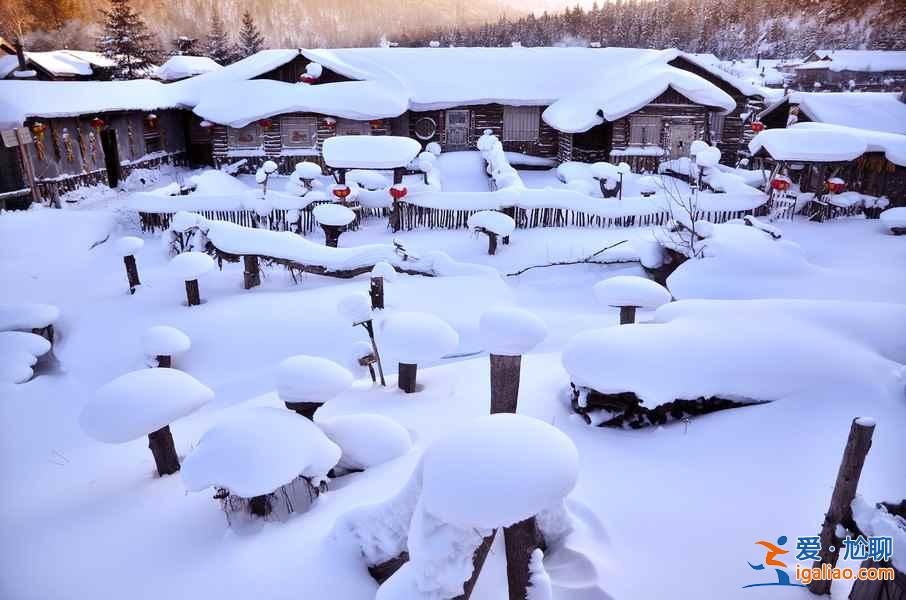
(681,137)
(457,129)
(111,156)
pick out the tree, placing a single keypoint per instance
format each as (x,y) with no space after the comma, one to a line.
(217,43)
(250,38)
(127,42)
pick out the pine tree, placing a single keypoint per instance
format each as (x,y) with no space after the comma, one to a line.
(217,43)
(250,38)
(127,42)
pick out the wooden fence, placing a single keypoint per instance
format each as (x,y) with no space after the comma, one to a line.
(277,220)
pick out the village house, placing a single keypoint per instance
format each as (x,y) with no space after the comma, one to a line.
(870,70)
(53,65)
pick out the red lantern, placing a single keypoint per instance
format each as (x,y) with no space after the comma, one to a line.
(306,78)
(98,123)
(781,183)
(757,126)
(341,191)
(265,124)
(398,191)
(835,185)
(375,123)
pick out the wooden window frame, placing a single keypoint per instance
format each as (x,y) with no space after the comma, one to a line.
(234,137)
(521,123)
(288,125)
(650,128)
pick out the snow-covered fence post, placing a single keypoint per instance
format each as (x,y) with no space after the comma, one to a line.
(492,223)
(628,292)
(333,219)
(190,266)
(127,247)
(305,383)
(507,333)
(416,337)
(608,177)
(251,275)
(142,403)
(382,272)
(357,308)
(840,510)
(397,193)
(161,343)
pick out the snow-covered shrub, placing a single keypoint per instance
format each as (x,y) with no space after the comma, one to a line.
(184,234)
(304,178)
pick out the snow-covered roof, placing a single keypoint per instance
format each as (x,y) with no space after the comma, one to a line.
(20,100)
(60,63)
(711,63)
(181,67)
(369,152)
(820,142)
(8,64)
(880,111)
(190,90)
(871,61)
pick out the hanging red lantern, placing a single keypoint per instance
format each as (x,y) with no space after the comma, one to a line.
(306,78)
(757,126)
(835,185)
(398,191)
(375,123)
(781,183)
(341,191)
(98,123)
(265,124)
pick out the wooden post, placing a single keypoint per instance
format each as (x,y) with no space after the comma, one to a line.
(520,541)
(161,444)
(29,168)
(504,383)
(481,553)
(377,293)
(396,216)
(131,273)
(252,274)
(193,296)
(840,511)
(306,409)
(627,315)
(164,361)
(332,235)
(260,506)
(369,327)
(407,376)
(398,175)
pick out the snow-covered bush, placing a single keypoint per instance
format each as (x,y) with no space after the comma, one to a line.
(367,440)
(161,343)
(183,233)
(499,169)
(304,178)
(141,403)
(629,292)
(492,223)
(263,461)
(415,337)
(304,383)
(19,352)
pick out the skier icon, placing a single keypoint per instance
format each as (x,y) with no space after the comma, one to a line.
(770,560)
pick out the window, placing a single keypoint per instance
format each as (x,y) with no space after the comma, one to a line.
(425,128)
(299,132)
(520,123)
(716,125)
(350,127)
(645,131)
(151,133)
(246,137)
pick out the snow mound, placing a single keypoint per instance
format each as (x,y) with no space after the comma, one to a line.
(497,471)
(366,440)
(384,269)
(141,402)
(355,307)
(128,245)
(27,316)
(163,340)
(191,265)
(369,152)
(878,522)
(894,217)
(19,352)
(307,170)
(415,337)
(311,379)
(508,331)
(630,290)
(333,214)
(493,221)
(258,450)
(371,180)
(214,181)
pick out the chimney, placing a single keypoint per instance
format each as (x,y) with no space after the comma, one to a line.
(20,54)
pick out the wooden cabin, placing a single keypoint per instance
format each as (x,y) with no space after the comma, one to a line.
(863,70)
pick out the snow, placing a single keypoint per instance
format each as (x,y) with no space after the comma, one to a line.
(27,316)
(813,145)
(60,63)
(493,221)
(163,340)
(539,580)
(310,379)
(417,337)
(629,290)
(878,522)
(507,331)
(369,152)
(892,145)
(355,307)
(371,180)
(181,67)
(892,217)
(308,170)
(870,61)
(191,265)
(19,352)
(498,470)
(333,214)
(708,157)
(367,440)
(141,402)
(876,111)
(257,450)
(385,270)
(129,245)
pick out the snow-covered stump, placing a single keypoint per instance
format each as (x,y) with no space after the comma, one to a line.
(367,440)
(190,266)
(840,512)
(334,219)
(19,353)
(507,334)
(628,292)
(36,318)
(305,383)
(162,342)
(895,220)
(127,247)
(264,462)
(492,223)
(416,337)
(251,274)
(143,403)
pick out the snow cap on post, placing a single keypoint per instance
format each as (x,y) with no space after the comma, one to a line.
(697,146)
(604,170)
(366,440)
(256,451)
(311,379)
(307,170)
(335,215)
(414,337)
(269,167)
(384,269)
(493,221)
(163,340)
(355,307)
(19,352)
(140,403)
(191,265)
(27,316)
(128,245)
(708,157)
(498,470)
(509,331)
(630,290)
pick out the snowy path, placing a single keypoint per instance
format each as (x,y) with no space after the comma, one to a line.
(462,172)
